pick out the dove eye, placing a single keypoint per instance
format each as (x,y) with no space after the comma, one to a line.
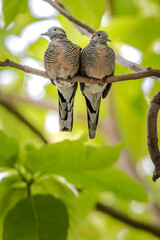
(99,34)
(54,29)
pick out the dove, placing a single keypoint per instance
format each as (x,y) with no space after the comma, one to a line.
(98,62)
(62,61)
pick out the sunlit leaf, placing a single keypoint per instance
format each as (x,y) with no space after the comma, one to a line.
(71,156)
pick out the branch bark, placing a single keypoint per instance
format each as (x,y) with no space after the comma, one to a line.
(117,78)
(125,219)
(152,139)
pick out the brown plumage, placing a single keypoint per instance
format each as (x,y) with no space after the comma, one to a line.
(61,60)
(97,61)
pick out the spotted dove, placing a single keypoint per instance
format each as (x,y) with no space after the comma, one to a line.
(98,62)
(61,60)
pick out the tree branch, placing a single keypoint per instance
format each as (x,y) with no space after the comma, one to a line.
(117,78)
(24,68)
(14,111)
(152,134)
(125,219)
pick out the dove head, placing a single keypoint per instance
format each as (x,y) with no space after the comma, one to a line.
(54,32)
(100,37)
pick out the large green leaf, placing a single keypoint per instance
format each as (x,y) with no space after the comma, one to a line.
(71,156)
(62,190)
(39,217)
(89,11)
(112,180)
(12,8)
(8,150)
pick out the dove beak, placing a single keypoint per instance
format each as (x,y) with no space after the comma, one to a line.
(109,40)
(44,34)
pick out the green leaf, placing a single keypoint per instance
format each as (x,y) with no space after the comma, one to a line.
(39,217)
(8,150)
(93,9)
(64,191)
(112,180)
(71,156)
(12,8)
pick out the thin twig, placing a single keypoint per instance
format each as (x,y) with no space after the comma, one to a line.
(152,134)
(14,111)
(129,221)
(117,78)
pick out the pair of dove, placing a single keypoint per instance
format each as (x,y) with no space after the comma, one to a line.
(64,59)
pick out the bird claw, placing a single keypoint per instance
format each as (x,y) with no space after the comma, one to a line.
(52,82)
(69,79)
(104,79)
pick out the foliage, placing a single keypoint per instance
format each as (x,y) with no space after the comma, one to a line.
(50,191)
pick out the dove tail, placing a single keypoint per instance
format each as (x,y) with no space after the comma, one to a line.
(93,115)
(66,112)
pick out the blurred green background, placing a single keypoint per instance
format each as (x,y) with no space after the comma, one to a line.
(134,28)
